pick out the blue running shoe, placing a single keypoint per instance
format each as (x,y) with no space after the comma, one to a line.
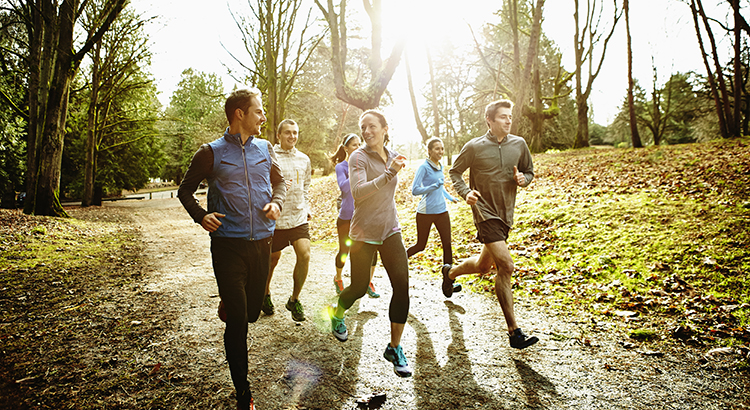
(338,326)
(371,291)
(396,356)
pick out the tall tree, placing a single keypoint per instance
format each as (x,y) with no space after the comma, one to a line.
(728,111)
(53,62)
(434,94)
(381,71)
(276,55)
(13,112)
(116,69)
(534,57)
(195,116)
(413,97)
(587,38)
(635,137)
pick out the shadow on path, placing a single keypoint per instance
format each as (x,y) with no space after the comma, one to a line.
(318,369)
(452,386)
(535,386)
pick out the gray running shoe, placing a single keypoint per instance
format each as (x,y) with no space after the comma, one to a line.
(298,314)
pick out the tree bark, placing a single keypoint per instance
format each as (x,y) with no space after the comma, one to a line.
(43,195)
(634,136)
(584,44)
(710,75)
(90,167)
(415,109)
(381,71)
(435,110)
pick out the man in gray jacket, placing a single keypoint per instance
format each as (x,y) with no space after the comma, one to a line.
(498,163)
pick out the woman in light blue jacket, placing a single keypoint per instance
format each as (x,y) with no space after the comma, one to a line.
(430,183)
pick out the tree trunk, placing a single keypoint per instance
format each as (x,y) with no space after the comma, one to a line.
(584,44)
(582,131)
(435,110)
(91,143)
(634,136)
(381,72)
(537,115)
(415,109)
(738,83)
(52,109)
(42,34)
(710,75)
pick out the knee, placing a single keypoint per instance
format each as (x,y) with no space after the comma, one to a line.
(304,256)
(505,268)
(484,267)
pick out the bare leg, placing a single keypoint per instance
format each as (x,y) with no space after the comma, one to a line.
(475,264)
(495,253)
(503,291)
(302,250)
(338,274)
(275,256)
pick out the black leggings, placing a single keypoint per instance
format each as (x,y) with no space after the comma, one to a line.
(443,224)
(342,227)
(393,255)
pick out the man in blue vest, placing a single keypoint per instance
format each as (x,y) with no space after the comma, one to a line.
(246,191)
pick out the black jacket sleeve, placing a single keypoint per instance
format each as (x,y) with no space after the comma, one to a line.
(200,168)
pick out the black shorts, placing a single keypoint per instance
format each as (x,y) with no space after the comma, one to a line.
(492,230)
(285,237)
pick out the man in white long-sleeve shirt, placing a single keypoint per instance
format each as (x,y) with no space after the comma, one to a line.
(292,227)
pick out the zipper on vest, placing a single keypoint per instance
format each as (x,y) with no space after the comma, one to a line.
(249,198)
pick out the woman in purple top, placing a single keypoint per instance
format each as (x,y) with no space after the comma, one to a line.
(375,228)
(346,210)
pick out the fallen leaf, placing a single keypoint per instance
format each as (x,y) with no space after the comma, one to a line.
(155,369)
(720,350)
(625,313)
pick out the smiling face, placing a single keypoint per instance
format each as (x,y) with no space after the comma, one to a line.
(288,136)
(500,125)
(436,152)
(352,145)
(373,131)
(251,120)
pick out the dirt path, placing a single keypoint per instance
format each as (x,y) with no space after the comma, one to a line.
(458,347)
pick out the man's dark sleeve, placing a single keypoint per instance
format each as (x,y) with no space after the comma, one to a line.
(277,180)
(200,168)
(460,164)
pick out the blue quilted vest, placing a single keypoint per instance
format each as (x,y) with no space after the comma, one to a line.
(240,186)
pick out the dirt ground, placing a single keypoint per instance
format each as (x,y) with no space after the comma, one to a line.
(458,347)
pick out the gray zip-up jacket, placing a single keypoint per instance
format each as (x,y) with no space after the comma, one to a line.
(373,183)
(491,173)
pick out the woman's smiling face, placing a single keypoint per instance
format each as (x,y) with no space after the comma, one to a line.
(373,132)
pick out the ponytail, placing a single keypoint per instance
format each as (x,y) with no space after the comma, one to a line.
(339,155)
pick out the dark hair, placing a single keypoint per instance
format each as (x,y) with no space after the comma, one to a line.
(491,110)
(381,118)
(241,99)
(340,154)
(432,141)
